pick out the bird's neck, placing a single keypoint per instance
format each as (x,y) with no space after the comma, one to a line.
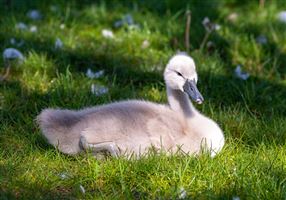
(180,102)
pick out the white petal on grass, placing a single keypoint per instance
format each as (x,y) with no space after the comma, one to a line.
(58,44)
(107,33)
(235,198)
(34,15)
(33,29)
(127,19)
(209,26)
(98,90)
(232,17)
(12,54)
(64,175)
(91,74)
(234,169)
(21,26)
(206,21)
(217,27)
(261,39)
(62,26)
(99,74)
(182,193)
(282,16)
(81,188)
(240,74)
(145,44)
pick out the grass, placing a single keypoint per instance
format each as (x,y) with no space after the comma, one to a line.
(252,113)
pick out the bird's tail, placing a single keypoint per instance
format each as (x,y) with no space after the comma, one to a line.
(61,129)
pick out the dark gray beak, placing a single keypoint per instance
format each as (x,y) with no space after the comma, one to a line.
(190,87)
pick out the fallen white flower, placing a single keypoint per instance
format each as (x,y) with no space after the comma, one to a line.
(91,74)
(107,33)
(12,54)
(34,15)
(33,29)
(240,74)
(209,26)
(282,16)
(127,19)
(81,188)
(261,39)
(206,21)
(99,74)
(217,27)
(98,90)
(182,193)
(232,17)
(235,198)
(62,26)
(145,44)
(58,44)
(21,26)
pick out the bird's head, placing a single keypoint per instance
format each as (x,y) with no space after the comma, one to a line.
(180,74)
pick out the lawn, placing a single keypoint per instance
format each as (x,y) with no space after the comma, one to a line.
(131,41)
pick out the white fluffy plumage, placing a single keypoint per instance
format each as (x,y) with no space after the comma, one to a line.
(134,126)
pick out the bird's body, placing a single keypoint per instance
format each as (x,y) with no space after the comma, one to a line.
(133,127)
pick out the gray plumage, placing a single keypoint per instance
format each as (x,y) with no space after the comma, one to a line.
(133,126)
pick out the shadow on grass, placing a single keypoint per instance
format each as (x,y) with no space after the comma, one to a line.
(34,191)
(255,97)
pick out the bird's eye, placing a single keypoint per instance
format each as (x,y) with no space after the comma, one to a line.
(179,74)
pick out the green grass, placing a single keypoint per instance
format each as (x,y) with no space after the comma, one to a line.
(252,113)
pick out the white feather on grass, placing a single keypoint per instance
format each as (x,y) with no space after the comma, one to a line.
(98,90)
(107,33)
(12,54)
(91,74)
(34,15)
(58,44)
(240,74)
(282,16)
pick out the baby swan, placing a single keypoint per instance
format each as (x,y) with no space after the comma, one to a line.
(134,126)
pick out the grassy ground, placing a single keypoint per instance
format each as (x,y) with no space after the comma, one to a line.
(252,113)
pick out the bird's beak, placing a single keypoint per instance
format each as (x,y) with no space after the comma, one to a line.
(190,87)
